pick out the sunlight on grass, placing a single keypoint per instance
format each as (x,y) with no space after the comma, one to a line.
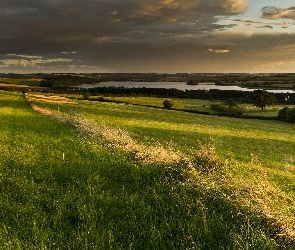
(103,175)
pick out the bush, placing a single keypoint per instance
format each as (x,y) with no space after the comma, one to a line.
(290,116)
(230,103)
(86,95)
(234,111)
(168,104)
(287,114)
(282,115)
(218,107)
(101,99)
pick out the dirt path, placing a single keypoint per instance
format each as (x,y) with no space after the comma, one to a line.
(48,98)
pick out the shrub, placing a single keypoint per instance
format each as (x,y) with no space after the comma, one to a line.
(230,103)
(290,116)
(86,95)
(233,111)
(168,104)
(101,99)
(287,114)
(218,107)
(282,115)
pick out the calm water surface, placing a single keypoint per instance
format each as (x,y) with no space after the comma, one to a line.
(175,85)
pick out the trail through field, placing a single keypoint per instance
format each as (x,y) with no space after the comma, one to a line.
(114,138)
(50,98)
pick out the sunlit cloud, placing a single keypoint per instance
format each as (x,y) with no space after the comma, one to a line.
(30,61)
(113,13)
(102,39)
(219,51)
(274,13)
(24,56)
(235,6)
(68,53)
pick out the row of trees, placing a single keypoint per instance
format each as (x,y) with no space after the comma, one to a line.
(257,96)
(69,83)
(260,98)
(63,82)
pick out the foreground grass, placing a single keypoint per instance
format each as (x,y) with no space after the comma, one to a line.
(64,188)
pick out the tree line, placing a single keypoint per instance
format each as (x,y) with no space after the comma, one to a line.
(69,83)
(56,82)
(212,94)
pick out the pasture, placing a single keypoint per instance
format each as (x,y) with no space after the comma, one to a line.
(21,81)
(79,174)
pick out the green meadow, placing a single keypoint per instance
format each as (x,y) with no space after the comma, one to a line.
(80,174)
(190,105)
(21,81)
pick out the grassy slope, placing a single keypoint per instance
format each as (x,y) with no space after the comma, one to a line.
(29,82)
(194,105)
(60,190)
(244,137)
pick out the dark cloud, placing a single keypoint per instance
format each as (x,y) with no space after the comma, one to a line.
(40,25)
(265,26)
(194,53)
(234,51)
(131,35)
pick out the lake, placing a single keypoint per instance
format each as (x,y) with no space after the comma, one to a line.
(171,85)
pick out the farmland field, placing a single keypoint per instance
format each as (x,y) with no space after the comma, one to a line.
(191,105)
(83,174)
(21,81)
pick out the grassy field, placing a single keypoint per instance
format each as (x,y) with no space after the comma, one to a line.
(21,81)
(202,106)
(98,175)
(244,137)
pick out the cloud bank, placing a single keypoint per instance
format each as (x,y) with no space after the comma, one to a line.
(141,35)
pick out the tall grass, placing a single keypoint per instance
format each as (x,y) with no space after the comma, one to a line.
(70,183)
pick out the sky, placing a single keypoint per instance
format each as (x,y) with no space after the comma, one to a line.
(156,36)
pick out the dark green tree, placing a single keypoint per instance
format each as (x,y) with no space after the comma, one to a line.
(263,98)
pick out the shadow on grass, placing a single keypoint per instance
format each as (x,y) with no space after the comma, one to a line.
(108,202)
